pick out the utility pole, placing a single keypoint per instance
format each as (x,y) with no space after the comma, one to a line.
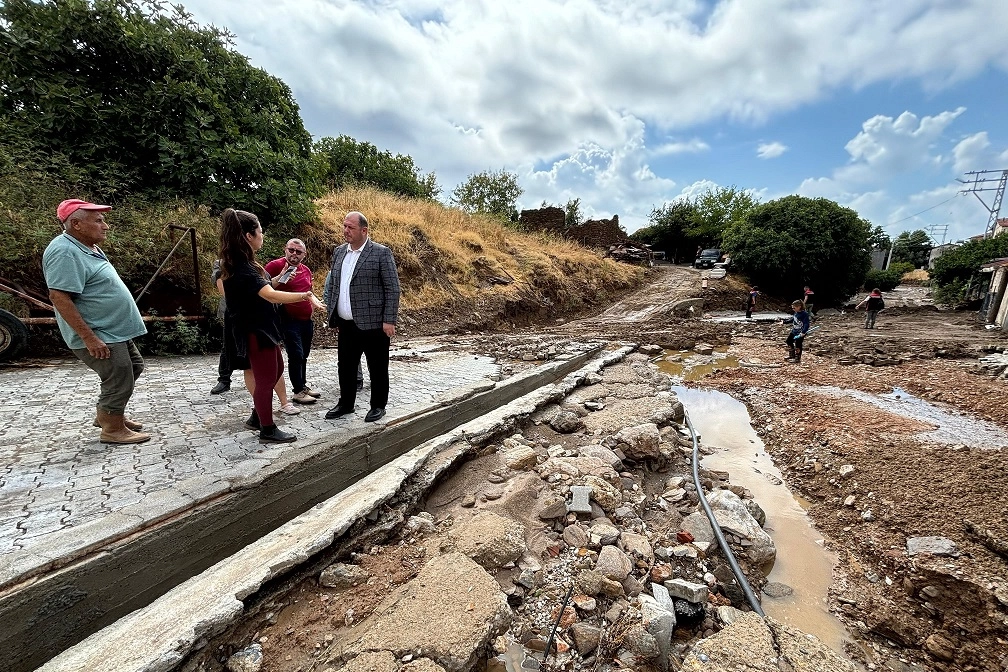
(987,180)
(935,229)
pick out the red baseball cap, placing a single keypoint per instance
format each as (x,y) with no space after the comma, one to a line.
(67,208)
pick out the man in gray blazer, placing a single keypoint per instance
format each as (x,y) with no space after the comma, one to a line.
(362,292)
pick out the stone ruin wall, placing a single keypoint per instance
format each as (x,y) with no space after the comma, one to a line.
(593,233)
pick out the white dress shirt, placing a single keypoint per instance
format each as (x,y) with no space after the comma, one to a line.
(346,273)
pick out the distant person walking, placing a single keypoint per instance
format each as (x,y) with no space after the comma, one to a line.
(251,300)
(362,291)
(751,301)
(873,303)
(96,314)
(799,327)
(809,300)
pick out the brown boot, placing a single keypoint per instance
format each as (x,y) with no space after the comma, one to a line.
(114,429)
(135,426)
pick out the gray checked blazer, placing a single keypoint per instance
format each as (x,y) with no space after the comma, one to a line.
(374,286)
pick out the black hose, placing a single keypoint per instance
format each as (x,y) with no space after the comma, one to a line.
(563,606)
(718,534)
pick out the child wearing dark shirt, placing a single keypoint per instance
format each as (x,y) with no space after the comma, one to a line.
(873,303)
(799,327)
(751,301)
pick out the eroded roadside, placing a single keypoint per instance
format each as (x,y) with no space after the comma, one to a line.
(593,497)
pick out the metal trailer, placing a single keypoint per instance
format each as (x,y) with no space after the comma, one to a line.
(14,329)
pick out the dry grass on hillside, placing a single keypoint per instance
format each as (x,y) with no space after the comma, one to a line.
(449,259)
(916,277)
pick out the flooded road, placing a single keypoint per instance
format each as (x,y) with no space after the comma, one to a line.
(802,561)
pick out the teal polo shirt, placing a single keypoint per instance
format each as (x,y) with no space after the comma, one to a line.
(100,295)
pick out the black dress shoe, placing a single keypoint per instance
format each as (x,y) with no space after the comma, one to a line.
(221,387)
(337,411)
(374,414)
(273,434)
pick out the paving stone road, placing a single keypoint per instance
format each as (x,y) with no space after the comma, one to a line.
(58,482)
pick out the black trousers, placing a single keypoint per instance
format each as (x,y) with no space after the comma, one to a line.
(374,345)
(229,359)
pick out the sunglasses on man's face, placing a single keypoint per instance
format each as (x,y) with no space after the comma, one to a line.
(293,251)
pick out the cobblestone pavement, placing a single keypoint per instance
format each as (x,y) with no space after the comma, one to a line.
(56,476)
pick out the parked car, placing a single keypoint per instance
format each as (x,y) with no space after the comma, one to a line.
(707,259)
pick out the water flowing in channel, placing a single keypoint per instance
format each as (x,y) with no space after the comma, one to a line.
(803,563)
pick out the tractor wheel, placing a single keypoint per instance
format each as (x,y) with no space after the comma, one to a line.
(13,336)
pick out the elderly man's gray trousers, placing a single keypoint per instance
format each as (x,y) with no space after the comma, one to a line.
(118,374)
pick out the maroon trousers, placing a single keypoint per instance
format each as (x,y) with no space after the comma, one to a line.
(267,368)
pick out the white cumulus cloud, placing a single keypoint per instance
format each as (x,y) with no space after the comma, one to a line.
(771,150)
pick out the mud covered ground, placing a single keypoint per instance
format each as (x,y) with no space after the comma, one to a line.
(938,613)
(872,476)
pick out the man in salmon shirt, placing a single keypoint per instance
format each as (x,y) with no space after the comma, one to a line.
(290,274)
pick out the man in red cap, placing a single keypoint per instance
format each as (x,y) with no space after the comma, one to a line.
(96,313)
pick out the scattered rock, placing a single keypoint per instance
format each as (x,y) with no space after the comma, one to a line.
(340,576)
(613,563)
(566,422)
(932,545)
(249,659)
(586,637)
(489,539)
(777,590)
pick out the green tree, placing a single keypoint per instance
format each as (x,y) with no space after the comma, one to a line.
(125,97)
(795,241)
(344,161)
(668,230)
(715,210)
(572,213)
(913,248)
(494,193)
(956,270)
(879,239)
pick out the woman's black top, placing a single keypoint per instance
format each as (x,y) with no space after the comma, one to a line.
(250,313)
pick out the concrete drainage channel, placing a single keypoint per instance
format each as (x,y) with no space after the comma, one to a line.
(226,548)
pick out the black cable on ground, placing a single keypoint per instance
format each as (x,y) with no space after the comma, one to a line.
(718,534)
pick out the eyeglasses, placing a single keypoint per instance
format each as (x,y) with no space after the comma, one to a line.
(293,251)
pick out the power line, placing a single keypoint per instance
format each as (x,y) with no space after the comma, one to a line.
(925,210)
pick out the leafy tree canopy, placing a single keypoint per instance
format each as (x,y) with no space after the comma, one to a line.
(879,239)
(962,263)
(912,247)
(668,230)
(344,161)
(715,210)
(683,225)
(494,193)
(795,241)
(124,97)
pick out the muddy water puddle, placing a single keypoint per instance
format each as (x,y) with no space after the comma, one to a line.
(951,427)
(689,366)
(803,563)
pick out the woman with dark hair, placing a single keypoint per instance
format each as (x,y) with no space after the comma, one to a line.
(255,322)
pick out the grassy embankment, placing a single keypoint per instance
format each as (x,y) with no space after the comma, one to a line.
(458,271)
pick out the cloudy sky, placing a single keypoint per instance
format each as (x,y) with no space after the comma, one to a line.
(630,104)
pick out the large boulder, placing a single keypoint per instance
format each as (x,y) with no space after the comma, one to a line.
(491,540)
(604,493)
(734,518)
(448,613)
(639,442)
(762,646)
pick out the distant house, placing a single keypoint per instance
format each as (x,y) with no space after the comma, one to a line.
(938,251)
